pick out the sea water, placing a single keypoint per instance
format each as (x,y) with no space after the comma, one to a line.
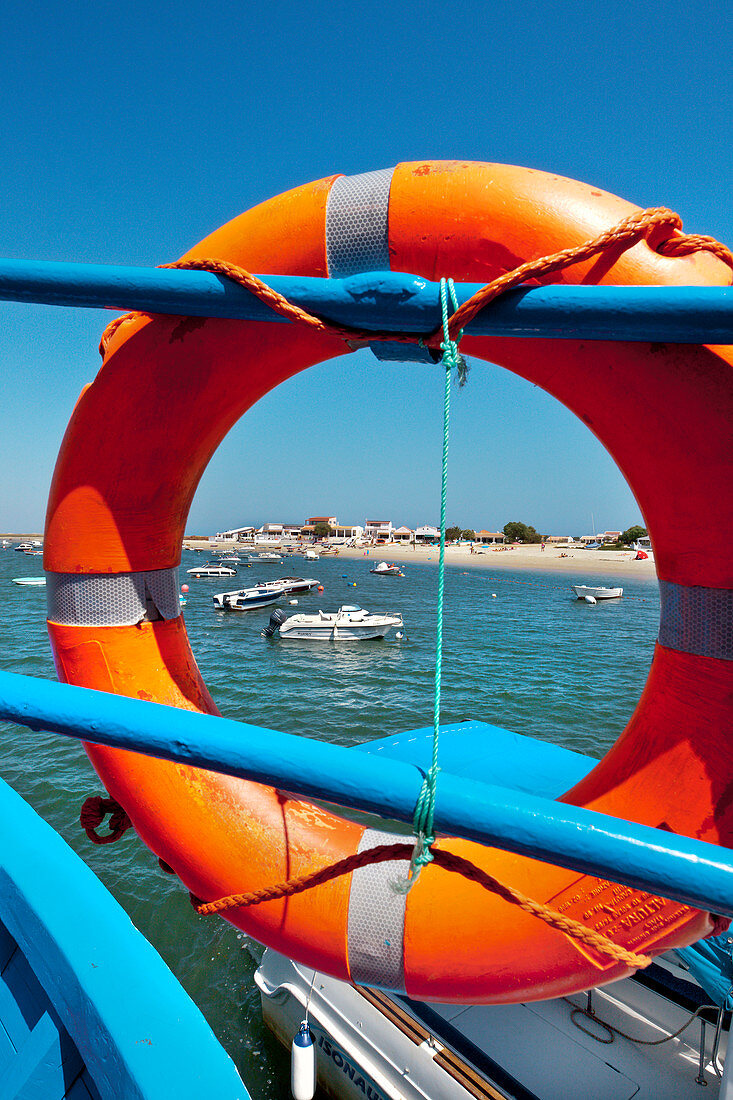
(518,651)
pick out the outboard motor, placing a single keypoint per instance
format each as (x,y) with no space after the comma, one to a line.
(277,618)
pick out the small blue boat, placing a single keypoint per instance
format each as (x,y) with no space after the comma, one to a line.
(88,1010)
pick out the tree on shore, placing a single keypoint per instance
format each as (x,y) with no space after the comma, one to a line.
(468,534)
(631,534)
(520,532)
(452,533)
(322,531)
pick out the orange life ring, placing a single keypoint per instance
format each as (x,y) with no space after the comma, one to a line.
(137,444)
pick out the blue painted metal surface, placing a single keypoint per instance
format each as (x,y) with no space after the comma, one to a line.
(387,300)
(488,754)
(687,870)
(134,1028)
(711,962)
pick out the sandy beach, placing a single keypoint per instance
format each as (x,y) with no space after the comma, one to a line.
(581,562)
(620,563)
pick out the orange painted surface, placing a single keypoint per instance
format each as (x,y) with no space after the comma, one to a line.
(138,442)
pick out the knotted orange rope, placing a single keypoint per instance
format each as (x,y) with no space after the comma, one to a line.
(384,853)
(643,224)
(640,225)
(93,813)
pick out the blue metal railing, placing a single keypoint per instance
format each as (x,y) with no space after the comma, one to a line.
(692,872)
(387,300)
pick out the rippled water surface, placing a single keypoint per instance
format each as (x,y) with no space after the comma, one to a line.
(532,659)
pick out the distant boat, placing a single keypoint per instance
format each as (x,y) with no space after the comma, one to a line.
(266,559)
(582,591)
(212,571)
(295,584)
(260,595)
(30,582)
(248,599)
(350,623)
(384,569)
(24,546)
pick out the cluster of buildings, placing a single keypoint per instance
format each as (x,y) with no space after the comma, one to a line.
(372,531)
(379,531)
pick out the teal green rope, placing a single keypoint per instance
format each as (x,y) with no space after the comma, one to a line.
(425,808)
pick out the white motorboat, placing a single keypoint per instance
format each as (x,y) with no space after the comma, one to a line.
(262,594)
(384,569)
(606,1045)
(24,546)
(30,582)
(248,599)
(582,591)
(266,559)
(296,584)
(209,570)
(350,623)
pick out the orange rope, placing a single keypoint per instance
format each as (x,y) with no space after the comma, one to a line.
(637,226)
(448,861)
(627,233)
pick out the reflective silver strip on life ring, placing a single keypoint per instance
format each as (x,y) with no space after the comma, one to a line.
(112,599)
(696,620)
(377,917)
(357,224)
(357,239)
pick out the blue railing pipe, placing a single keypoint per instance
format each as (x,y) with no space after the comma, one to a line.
(677,867)
(387,300)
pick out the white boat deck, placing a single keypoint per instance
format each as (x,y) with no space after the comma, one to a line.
(385,1047)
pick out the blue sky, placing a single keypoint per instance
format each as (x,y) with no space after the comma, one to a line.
(128,132)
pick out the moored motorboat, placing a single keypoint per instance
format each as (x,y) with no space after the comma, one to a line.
(385,569)
(350,623)
(382,1046)
(296,584)
(248,599)
(598,593)
(209,570)
(30,582)
(266,559)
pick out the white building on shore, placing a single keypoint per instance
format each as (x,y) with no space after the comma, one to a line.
(403,535)
(379,530)
(426,533)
